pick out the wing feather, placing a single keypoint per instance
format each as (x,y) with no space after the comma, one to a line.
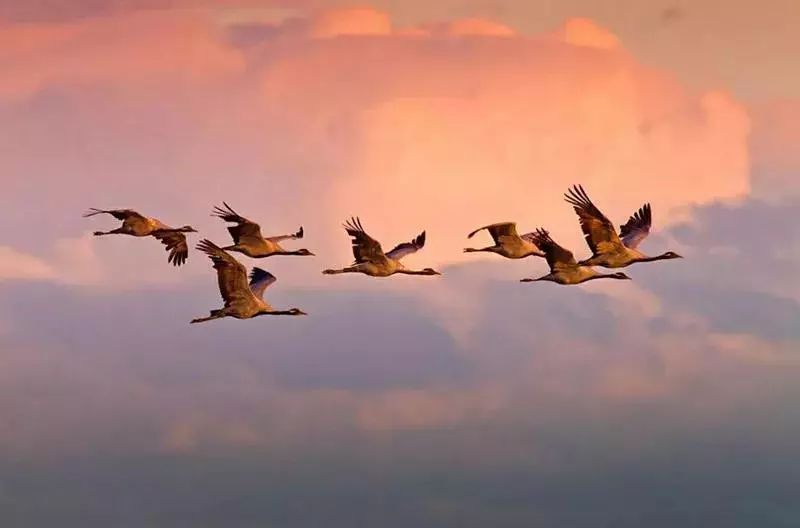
(175,244)
(557,257)
(407,248)
(119,214)
(231,274)
(637,227)
(598,230)
(365,248)
(245,232)
(260,280)
(498,230)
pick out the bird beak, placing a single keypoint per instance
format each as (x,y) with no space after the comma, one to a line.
(302,313)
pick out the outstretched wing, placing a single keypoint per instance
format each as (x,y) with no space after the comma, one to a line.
(293,236)
(245,232)
(259,281)
(407,248)
(557,257)
(119,214)
(637,227)
(365,248)
(231,274)
(531,238)
(498,231)
(175,243)
(598,230)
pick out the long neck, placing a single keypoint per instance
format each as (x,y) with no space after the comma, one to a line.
(602,276)
(412,272)
(652,259)
(275,312)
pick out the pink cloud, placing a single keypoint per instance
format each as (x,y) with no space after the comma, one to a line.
(436,132)
(355,21)
(15,265)
(776,158)
(148,45)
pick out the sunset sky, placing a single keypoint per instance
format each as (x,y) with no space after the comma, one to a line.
(467,400)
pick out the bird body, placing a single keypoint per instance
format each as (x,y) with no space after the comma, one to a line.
(370,258)
(248,239)
(135,224)
(507,242)
(609,249)
(243,299)
(564,269)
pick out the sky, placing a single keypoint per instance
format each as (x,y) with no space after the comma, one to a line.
(463,400)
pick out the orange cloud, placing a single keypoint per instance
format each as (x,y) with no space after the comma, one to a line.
(437,132)
(123,49)
(355,21)
(478,27)
(584,32)
(776,158)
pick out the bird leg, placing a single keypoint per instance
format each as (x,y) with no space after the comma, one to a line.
(215,314)
(118,231)
(544,278)
(352,269)
(490,249)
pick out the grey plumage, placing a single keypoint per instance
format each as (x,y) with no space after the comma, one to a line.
(243,299)
(370,258)
(608,249)
(247,237)
(138,225)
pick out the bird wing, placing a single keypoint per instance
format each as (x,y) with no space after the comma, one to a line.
(498,230)
(637,227)
(119,214)
(557,257)
(260,280)
(245,231)
(365,248)
(293,236)
(407,248)
(175,243)
(231,274)
(597,229)
(529,237)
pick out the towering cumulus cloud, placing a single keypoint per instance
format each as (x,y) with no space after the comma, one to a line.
(444,126)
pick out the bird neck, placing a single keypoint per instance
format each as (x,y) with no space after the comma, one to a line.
(604,276)
(274,312)
(411,272)
(663,256)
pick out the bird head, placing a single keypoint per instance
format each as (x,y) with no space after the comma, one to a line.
(670,255)
(620,275)
(188,229)
(296,311)
(304,252)
(430,271)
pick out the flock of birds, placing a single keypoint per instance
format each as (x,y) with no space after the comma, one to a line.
(243,294)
